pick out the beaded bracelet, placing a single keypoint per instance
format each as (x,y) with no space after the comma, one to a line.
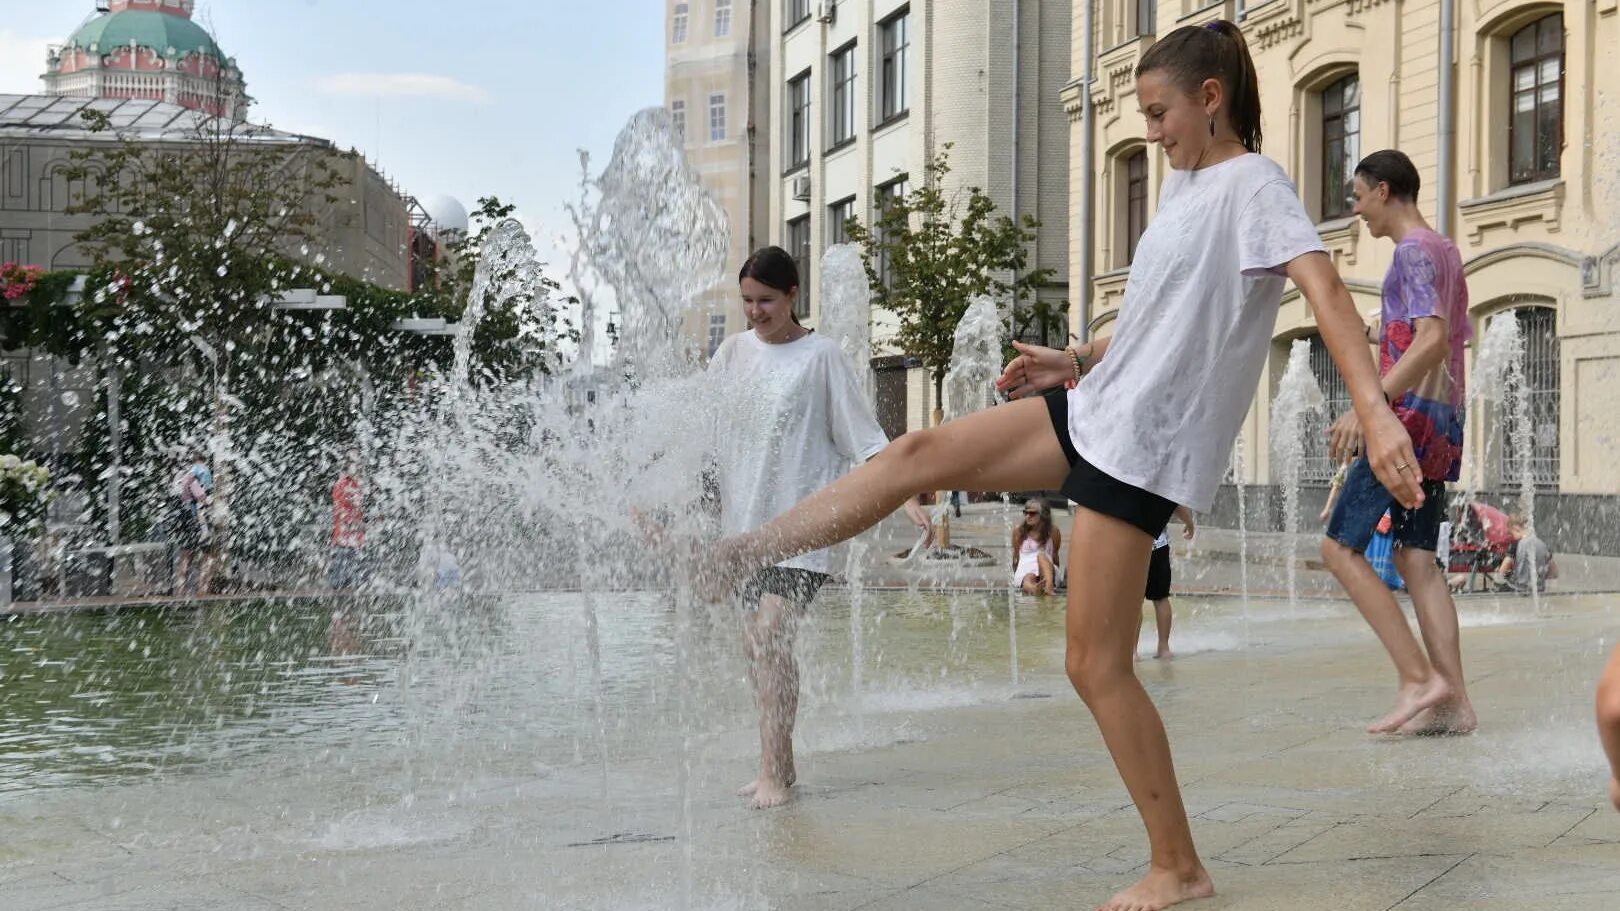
(1079,367)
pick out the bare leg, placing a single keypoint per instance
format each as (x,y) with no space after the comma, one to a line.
(1162,618)
(1608,717)
(768,635)
(1420,686)
(1104,617)
(1437,621)
(1048,574)
(1008,447)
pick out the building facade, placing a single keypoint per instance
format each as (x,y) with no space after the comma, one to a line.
(148,50)
(714,51)
(1516,167)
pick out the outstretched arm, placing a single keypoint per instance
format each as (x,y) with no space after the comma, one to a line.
(1608,719)
(1038,369)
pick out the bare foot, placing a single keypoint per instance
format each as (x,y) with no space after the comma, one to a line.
(1161,889)
(768,793)
(749,789)
(1412,699)
(1450,720)
(1164,654)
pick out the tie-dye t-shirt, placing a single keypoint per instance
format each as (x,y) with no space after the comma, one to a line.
(1425,280)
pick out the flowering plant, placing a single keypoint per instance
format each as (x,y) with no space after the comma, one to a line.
(17,280)
(25,491)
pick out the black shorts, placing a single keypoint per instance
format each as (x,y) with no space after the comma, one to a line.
(1090,487)
(1158,587)
(796,586)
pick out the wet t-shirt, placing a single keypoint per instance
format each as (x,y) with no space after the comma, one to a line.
(1424,281)
(1162,409)
(793,420)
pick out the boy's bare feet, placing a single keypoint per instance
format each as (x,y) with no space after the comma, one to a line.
(1164,653)
(766,793)
(1161,889)
(1447,720)
(1412,699)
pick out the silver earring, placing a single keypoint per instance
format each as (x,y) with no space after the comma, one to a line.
(1212,124)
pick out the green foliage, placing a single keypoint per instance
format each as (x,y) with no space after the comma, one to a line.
(931,253)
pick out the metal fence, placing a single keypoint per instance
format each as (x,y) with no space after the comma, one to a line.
(1538,327)
(1318,467)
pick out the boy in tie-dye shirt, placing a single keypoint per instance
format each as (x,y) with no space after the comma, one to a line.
(1420,360)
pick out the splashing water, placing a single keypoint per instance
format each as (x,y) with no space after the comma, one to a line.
(1499,381)
(846,309)
(1298,396)
(975,359)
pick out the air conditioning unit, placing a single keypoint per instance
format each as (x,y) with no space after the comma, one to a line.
(801,187)
(827,12)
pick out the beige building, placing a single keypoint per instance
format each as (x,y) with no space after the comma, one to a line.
(1517,168)
(714,50)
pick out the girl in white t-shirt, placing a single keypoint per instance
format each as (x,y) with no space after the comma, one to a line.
(1150,415)
(795,419)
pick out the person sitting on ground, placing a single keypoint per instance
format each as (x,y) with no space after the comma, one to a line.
(1035,546)
(1608,718)
(1531,565)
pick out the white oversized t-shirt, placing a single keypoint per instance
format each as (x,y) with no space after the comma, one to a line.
(1161,409)
(793,420)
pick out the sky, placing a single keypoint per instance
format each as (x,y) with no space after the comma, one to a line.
(468,98)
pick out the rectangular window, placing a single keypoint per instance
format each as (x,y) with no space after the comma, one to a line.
(1538,328)
(843,95)
(1341,145)
(798,246)
(1536,119)
(799,120)
(677,24)
(896,51)
(717,331)
(796,11)
(1147,16)
(887,194)
(717,117)
(838,218)
(677,113)
(1136,193)
(722,18)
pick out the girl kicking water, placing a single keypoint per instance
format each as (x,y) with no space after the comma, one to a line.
(1150,420)
(795,420)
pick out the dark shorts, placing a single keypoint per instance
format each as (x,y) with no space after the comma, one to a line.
(1158,587)
(1089,487)
(795,586)
(1363,502)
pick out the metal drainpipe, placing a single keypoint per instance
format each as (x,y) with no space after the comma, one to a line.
(1082,217)
(1017,98)
(1445,192)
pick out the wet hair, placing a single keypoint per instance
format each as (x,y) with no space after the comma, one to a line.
(1194,53)
(772,267)
(1391,167)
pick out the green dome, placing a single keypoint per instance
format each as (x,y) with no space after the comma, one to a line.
(157,31)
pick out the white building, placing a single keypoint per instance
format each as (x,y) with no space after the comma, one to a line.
(864,92)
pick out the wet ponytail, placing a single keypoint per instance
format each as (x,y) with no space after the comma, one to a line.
(1217,50)
(774,268)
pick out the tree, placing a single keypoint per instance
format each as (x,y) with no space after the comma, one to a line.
(930,254)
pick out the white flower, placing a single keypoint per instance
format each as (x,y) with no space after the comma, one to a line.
(9,462)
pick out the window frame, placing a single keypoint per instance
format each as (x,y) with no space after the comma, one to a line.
(796,237)
(795,13)
(1135,206)
(838,228)
(896,187)
(677,116)
(1538,170)
(1349,145)
(798,121)
(721,107)
(842,104)
(680,22)
(722,24)
(894,93)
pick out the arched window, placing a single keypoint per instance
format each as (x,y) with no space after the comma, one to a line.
(1538,327)
(1341,145)
(1536,100)
(1136,208)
